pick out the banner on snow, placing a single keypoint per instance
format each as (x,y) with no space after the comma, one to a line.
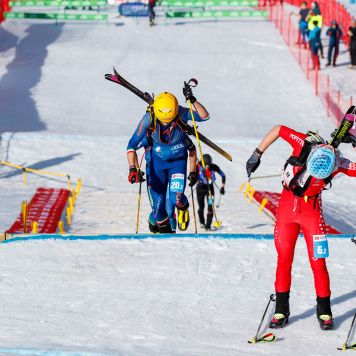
(133,9)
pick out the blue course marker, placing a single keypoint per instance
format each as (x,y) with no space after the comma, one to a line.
(16,238)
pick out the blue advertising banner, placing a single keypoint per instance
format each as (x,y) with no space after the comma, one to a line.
(133,9)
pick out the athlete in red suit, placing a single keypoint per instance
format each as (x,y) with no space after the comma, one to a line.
(299,211)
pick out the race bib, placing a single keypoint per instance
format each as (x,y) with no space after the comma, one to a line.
(321,248)
(177,183)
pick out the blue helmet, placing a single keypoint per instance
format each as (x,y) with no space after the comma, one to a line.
(322,161)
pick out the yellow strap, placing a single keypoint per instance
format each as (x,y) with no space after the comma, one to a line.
(202,160)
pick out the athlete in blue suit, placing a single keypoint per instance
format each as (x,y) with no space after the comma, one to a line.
(162,125)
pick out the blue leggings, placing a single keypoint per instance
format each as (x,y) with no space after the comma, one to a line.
(166,181)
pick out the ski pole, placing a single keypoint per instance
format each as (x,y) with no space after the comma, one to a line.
(269,337)
(345,346)
(195,217)
(217,187)
(139,194)
(268,176)
(218,223)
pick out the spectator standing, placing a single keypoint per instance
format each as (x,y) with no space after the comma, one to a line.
(303,23)
(315,15)
(352,48)
(334,33)
(151,11)
(314,40)
(315,8)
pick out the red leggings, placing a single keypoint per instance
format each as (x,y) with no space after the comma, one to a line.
(294,214)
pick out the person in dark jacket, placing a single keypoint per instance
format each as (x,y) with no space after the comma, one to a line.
(151,11)
(334,33)
(206,180)
(303,23)
(352,34)
(314,40)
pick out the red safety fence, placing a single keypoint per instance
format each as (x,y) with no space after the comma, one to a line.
(335,101)
(272,206)
(45,208)
(4,6)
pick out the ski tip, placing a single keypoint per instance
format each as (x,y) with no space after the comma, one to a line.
(351,110)
(269,337)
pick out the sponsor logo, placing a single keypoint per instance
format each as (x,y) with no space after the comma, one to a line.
(158,149)
(177,176)
(344,129)
(297,139)
(177,147)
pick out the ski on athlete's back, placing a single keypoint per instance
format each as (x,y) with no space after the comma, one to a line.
(118,79)
(344,128)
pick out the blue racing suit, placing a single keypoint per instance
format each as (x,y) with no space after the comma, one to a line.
(170,208)
(168,161)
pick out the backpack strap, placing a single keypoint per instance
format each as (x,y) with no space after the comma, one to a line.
(153,125)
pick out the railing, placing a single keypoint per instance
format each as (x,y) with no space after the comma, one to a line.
(56,10)
(336,103)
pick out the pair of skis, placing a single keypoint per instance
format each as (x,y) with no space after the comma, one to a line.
(118,79)
(270,337)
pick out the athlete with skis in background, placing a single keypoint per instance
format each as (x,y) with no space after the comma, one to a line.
(308,172)
(163,126)
(206,180)
(170,208)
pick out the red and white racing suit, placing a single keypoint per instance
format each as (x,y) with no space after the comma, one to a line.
(298,213)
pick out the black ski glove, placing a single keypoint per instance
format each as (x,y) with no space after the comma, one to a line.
(193,177)
(188,93)
(135,176)
(222,190)
(253,162)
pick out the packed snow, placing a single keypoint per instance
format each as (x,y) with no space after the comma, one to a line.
(155,297)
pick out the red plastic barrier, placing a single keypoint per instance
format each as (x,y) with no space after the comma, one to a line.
(46,208)
(4,7)
(272,206)
(335,102)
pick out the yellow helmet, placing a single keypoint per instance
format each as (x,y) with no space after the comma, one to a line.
(165,107)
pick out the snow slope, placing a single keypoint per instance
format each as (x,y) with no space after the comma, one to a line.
(163,297)
(151,297)
(52,82)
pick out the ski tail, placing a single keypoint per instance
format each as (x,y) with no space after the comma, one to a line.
(118,79)
(215,147)
(344,127)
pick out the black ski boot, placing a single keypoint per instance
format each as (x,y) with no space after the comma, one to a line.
(153,227)
(281,314)
(165,227)
(324,314)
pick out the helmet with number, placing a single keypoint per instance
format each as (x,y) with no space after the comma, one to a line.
(207,159)
(322,161)
(165,107)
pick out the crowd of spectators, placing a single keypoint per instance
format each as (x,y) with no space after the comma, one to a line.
(310,34)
